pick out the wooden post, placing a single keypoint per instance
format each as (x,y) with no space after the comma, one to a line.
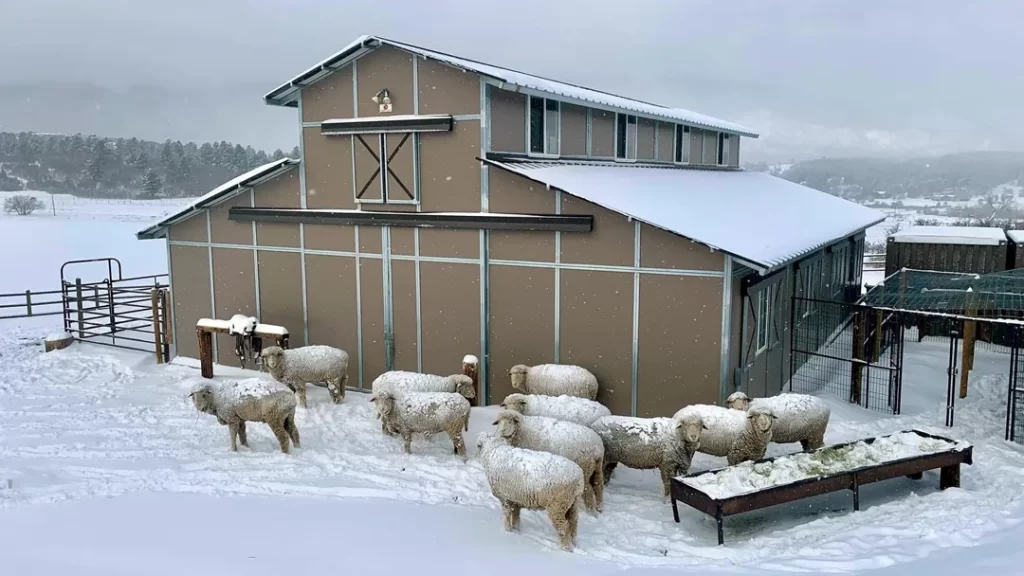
(154,299)
(470,367)
(28,301)
(877,352)
(165,308)
(857,368)
(205,352)
(78,305)
(949,477)
(970,334)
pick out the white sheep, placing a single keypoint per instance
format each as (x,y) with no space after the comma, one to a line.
(568,408)
(309,364)
(554,380)
(408,413)
(646,443)
(801,417)
(522,478)
(722,427)
(753,442)
(235,402)
(573,441)
(402,381)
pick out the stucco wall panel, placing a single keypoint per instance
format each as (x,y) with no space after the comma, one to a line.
(224,231)
(331,302)
(403,297)
(281,292)
(449,243)
(661,249)
(449,170)
(370,239)
(281,192)
(192,229)
(234,281)
(372,295)
(679,360)
(513,194)
(450,298)
(508,121)
(403,240)
(330,237)
(446,90)
(522,322)
(385,67)
(611,242)
(328,166)
(329,98)
(596,322)
(190,298)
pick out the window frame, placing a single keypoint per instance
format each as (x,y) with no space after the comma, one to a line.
(545,127)
(625,157)
(681,145)
(762,326)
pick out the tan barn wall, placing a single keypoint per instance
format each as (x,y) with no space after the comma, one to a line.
(224,231)
(645,139)
(329,98)
(734,150)
(371,292)
(696,146)
(710,155)
(281,293)
(510,193)
(661,249)
(574,130)
(446,90)
(328,166)
(190,298)
(280,192)
(602,134)
(666,142)
(611,242)
(450,318)
(521,323)
(385,67)
(234,292)
(333,309)
(508,120)
(193,229)
(403,296)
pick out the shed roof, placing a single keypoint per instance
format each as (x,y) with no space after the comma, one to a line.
(220,193)
(287,93)
(763,220)
(1016,236)
(977,235)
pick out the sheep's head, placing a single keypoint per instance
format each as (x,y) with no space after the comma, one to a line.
(516,402)
(690,426)
(738,401)
(385,401)
(508,423)
(273,357)
(202,399)
(518,376)
(463,385)
(486,440)
(761,419)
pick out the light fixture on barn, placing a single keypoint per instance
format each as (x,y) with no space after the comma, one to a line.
(383,100)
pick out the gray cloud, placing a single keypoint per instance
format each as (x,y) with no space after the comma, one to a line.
(843,76)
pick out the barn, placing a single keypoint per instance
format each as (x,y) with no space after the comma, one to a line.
(972,249)
(443,207)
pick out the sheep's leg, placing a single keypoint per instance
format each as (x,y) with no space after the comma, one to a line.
(666,480)
(813,443)
(293,431)
(609,468)
(336,389)
(459,443)
(588,496)
(342,383)
(597,483)
(233,431)
(282,435)
(572,517)
(511,512)
(241,434)
(407,442)
(559,519)
(300,389)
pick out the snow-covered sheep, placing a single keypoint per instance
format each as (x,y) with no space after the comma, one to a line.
(645,443)
(801,417)
(235,402)
(242,325)
(573,441)
(568,408)
(753,442)
(402,381)
(407,413)
(554,380)
(309,364)
(722,427)
(522,478)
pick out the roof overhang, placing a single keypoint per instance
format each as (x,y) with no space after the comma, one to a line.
(219,195)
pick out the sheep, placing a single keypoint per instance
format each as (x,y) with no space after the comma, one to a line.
(423,412)
(647,443)
(235,402)
(753,442)
(417,382)
(554,380)
(722,427)
(567,408)
(573,441)
(295,368)
(522,478)
(801,418)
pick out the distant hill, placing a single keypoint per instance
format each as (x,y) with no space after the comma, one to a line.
(952,177)
(121,167)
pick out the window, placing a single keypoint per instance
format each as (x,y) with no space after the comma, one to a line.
(625,137)
(682,151)
(723,149)
(544,126)
(764,313)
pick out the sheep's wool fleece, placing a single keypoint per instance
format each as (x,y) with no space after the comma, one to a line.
(718,419)
(402,381)
(423,411)
(797,413)
(228,393)
(568,408)
(555,379)
(625,435)
(574,441)
(520,475)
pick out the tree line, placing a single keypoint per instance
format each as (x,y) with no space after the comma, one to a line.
(94,166)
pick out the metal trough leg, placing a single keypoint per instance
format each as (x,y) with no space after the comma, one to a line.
(721,528)
(856,494)
(916,475)
(675,510)
(949,477)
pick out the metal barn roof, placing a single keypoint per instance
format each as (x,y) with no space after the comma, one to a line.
(761,219)
(222,192)
(963,235)
(287,93)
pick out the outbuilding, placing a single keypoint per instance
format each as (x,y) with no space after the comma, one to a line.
(970,249)
(445,207)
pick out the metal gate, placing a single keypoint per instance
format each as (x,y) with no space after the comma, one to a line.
(1015,400)
(852,351)
(131,313)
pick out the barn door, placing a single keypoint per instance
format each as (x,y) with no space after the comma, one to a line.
(381,161)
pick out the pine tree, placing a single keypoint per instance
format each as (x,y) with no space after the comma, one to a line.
(151,184)
(294,153)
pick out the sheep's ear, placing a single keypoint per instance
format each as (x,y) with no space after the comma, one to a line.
(495,423)
(373,398)
(774,417)
(704,426)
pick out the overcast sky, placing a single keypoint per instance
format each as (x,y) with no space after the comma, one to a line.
(815,77)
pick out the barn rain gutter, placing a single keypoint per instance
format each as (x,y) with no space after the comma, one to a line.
(457,220)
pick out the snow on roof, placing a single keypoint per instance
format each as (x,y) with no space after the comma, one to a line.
(250,178)
(1015,235)
(285,94)
(764,220)
(976,235)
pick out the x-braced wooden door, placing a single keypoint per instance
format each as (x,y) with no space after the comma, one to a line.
(384,152)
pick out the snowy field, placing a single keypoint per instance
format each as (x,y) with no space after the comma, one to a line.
(106,457)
